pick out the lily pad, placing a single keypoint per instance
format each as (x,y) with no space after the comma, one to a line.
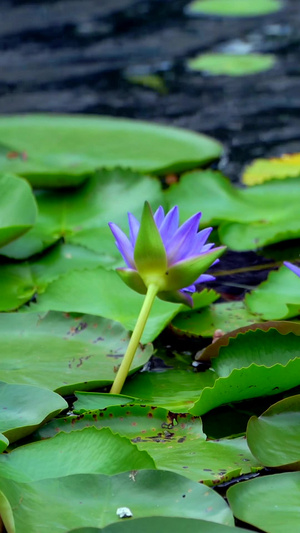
(91,500)
(161,523)
(102,293)
(101,451)
(226,316)
(274,437)
(248,218)
(269,503)
(276,298)
(73,215)
(261,170)
(18,208)
(24,408)
(234,8)
(60,151)
(175,443)
(231,64)
(61,352)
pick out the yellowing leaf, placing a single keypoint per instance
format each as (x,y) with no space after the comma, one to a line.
(261,170)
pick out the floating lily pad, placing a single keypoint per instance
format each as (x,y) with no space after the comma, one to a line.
(101,451)
(234,8)
(17,208)
(161,523)
(261,170)
(269,503)
(175,443)
(77,215)
(231,64)
(63,353)
(102,293)
(248,218)
(91,501)
(282,326)
(276,298)
(274,437)
(226,316)
(60,151)
(24,408)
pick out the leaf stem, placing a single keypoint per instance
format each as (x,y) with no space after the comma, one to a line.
(134,340)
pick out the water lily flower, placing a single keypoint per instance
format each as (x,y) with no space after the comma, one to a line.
(162,259)
(160,252)
(292,267)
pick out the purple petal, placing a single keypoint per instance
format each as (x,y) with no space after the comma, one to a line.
(183,240)
(292,267)
(204,278)
(207,247)
(134,227)
(159,216)
(123,244)
(199,241)
(169,225)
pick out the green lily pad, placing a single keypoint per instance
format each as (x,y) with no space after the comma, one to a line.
(24,408)
(102,293)
(91,500)
(60,151)
(231,64)
(20,282)
(283,327)
(101,451)
(274,437)
(175,443)
(73,214)
(63,353)
(265,348)
(17,208)
(161,523)
(248,218)
(226,316)
(270,503)
(276,298)
(234,8)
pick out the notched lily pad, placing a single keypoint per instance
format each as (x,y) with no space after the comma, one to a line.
(175,442)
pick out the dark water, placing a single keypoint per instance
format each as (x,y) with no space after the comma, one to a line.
(73,56)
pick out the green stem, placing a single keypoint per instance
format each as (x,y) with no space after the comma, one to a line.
(134,340)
